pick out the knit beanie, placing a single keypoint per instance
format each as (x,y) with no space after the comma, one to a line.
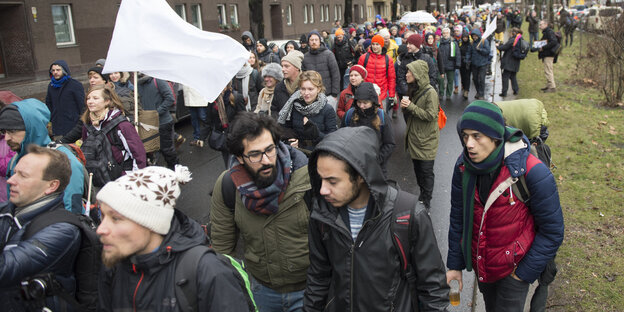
(366,44)
(315,33)
(273,70)
(351,30)
(11,118)
(339,32)
(100,62)
(415,39)
(146,196)
(98,70)
(366,91)
(384,33)
(360,69)
(378,39)
(484,117)
(295,58)
(263,41)
(303,39)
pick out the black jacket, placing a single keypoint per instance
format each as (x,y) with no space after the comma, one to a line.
(508,61)
(365,275)
(280,97)
(533,23)
(146,282)
(255,85)
(231,110)
(445,61)
(344,52)
(323,61)
(552,43)
(407,58)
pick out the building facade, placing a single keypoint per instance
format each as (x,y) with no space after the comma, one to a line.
(34,33)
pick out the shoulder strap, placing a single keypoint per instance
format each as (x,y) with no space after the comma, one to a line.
(186,277)
(366,59)
(48,218)
(347,117)
(228,191)
(113,123)
(404,208)
(387,64)
(520,188)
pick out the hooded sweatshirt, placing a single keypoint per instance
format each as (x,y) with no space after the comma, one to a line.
(66,103)
(364,275)
(36,116)
(479,55)
(252,46)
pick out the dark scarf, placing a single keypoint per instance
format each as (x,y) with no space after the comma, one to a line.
(264,201)
(59,83)
(469,181)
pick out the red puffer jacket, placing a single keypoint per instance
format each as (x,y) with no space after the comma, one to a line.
(378,74)
(501,238)
(345,101)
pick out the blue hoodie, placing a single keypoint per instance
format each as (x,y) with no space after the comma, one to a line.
(65,103)
(479,54)
(36,117)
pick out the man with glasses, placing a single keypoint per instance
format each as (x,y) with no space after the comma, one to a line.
(263,198)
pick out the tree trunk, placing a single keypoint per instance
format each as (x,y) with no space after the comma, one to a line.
(393,10)
(256,21)
(348,13)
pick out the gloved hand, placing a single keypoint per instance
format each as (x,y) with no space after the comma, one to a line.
(390,103)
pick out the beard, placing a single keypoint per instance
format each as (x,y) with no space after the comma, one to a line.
(260,180)
(16,147)
(111,259)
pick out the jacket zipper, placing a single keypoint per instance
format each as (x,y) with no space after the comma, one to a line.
(351,279)
(137,288)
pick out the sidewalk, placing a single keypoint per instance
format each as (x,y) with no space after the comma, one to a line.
(32,88)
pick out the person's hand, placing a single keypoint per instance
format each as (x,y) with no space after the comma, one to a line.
(294,143)
(454,275)
(405,102)
(305,120)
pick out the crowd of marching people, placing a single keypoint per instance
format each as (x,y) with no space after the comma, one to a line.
(89,222)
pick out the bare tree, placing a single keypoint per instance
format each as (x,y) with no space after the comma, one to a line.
(348,13)
(256,21)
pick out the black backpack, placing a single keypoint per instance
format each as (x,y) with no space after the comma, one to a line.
(521,49)
(88,260)
(99,155)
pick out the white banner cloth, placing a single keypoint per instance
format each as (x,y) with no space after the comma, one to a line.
(151,38)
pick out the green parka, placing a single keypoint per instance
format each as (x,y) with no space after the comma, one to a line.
(275,246)
(422,134)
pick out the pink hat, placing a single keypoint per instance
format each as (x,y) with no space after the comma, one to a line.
(361,70)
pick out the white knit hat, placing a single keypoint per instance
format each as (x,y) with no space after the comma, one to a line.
(146,196)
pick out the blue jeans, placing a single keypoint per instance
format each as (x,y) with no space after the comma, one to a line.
(269,300)
(533,37)
(198,121)
(506,295)
(456,78)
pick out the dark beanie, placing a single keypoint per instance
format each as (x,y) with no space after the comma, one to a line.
(366,91)
(316,33)
(484,117)
(11,119)
(415,39)
(98,70)
(303,39)
(263,41)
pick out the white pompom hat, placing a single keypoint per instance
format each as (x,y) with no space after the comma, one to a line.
(146,196)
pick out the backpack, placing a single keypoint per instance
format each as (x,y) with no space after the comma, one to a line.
(88,260)
(99,154)
(404,209)
(81,157)
(558,47)
(520,50)
(186,277)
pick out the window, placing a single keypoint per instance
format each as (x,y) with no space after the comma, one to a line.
(305,13)
(311,19)
(234,14)
(63,25)
(180,9)
(370,11)
(196,15)
(361,11)
(327,11)
(289,15)
(322,11)
(340,13)
(221,14)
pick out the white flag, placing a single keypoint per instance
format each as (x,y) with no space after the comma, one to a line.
(489,29)
(151,38)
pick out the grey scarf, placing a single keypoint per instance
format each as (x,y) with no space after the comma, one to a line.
(306,110)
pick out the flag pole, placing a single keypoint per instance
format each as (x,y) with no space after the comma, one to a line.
(136,103)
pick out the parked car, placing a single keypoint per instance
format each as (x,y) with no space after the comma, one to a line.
(599,17)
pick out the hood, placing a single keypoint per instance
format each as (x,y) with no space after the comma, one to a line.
(477,32)
(420,70)
(359,146)
(248,34)
(36,116)
(184,234)
(294,43)
(61,63)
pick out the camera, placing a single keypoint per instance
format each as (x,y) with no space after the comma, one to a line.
(38,287)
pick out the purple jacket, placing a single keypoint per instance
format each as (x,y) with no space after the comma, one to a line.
(133,150)
(5,157)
